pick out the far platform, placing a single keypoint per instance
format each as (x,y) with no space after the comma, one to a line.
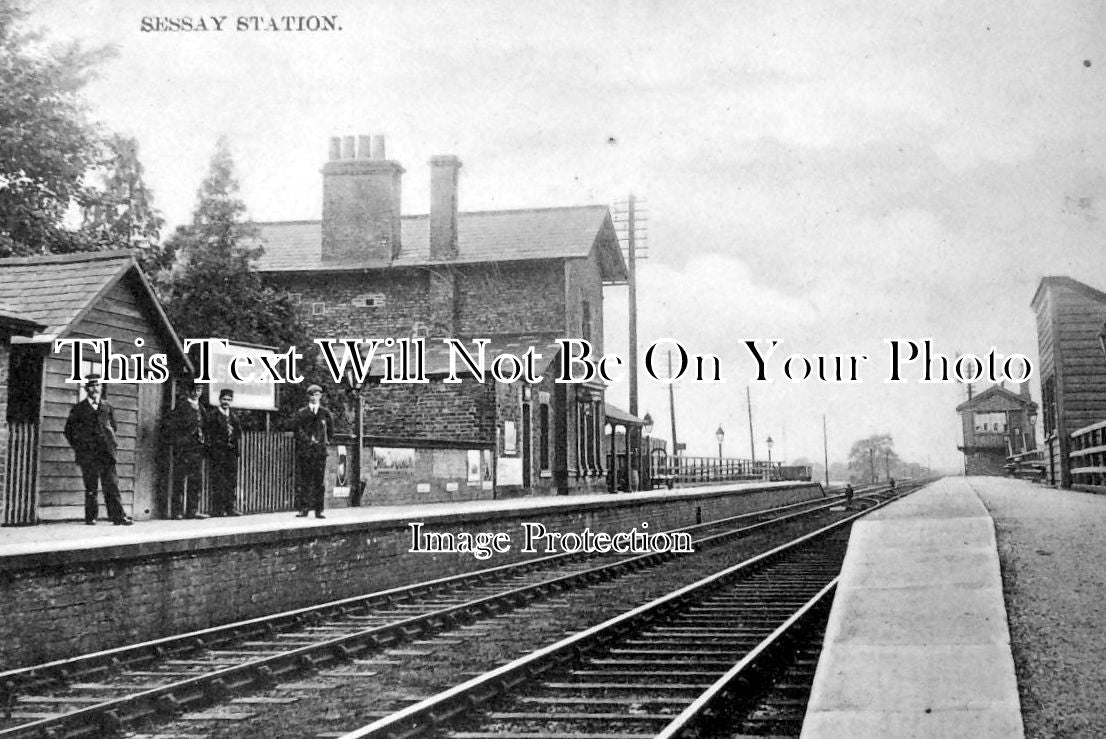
(917,643)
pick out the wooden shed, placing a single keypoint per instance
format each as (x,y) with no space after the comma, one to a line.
(1071,318)
(89,295)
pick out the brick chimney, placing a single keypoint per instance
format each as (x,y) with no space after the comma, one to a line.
(443,207)
(361,201)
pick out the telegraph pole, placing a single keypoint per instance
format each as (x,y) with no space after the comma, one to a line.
(633,306)
(633,233)
(825,448)
(672,406)
(752,442)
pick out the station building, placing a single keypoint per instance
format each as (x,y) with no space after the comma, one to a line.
(1071,336)
(996,424)
(517,278)
(89,295)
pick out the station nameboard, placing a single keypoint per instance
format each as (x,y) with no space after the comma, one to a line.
(257,391)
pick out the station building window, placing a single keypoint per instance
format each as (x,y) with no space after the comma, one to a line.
(994,423)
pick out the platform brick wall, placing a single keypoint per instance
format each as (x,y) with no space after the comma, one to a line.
(5,358)
(60,604)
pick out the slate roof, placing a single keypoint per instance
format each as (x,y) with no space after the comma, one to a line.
(482,236)
(996,390)
(15,322)
(1061,281)
(57,290)
(618,416)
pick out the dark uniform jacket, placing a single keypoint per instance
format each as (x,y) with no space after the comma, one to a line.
(186,428)
(91,433)
(223,433)
(313,431)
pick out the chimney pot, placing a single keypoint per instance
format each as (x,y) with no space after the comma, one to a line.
(361,203)
(378,147)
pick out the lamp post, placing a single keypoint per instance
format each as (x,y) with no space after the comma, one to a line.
(720,435)
(646,453)
(768,443)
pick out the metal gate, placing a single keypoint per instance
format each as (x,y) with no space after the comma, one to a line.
(20,491)
(266,474)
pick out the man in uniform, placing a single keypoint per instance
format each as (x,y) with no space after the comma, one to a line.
(314,426)
(186,430)
(223,432)
(90,430)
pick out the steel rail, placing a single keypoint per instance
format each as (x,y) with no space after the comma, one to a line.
(721,690)
(62,670)
(110,715)
(443,706)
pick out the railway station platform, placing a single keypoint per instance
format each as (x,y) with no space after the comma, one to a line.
(68,588)
(918,643)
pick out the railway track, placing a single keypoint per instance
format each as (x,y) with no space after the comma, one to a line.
(100,694)
(679,665)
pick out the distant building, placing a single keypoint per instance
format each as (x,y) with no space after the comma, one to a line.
(1070,335)
(86,295)
(996,424)
(518,278)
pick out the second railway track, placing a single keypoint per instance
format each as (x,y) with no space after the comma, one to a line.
(101,694)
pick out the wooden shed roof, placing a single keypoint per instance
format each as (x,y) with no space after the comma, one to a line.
(57,290)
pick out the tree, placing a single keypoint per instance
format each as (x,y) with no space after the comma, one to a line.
(870,458)
(212,289)
(123,214)
(47,142)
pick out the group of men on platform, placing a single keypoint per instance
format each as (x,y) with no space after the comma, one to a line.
(196,433)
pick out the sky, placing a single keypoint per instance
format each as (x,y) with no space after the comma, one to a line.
(829,175)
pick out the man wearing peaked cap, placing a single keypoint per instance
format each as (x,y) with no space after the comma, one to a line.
(90,430)
(314,427)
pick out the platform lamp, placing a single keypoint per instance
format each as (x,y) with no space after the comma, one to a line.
(768,443)
(720,435)
(646,453)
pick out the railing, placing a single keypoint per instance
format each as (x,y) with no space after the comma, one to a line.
(1087,457)
(1026,465)
(690,470)
(17,498)
(266,474)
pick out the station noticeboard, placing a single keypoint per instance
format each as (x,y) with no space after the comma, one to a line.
(255,391)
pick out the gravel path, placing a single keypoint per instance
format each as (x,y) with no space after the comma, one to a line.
(1052,547)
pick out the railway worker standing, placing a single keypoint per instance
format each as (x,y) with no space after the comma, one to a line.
(313,426)
(186,430)
(848,493)
(90,430)
(223,433)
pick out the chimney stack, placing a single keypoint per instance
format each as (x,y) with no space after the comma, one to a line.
(443,207)
(361,202)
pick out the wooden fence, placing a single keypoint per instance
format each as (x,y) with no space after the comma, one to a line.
(266,474)
(18,504)
(1088,457)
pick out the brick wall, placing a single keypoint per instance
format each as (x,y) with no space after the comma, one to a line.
(464,412)
(60,604)
(510,298)
(403,291)
(5,358)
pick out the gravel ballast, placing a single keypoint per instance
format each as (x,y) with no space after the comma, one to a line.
(1052,549)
